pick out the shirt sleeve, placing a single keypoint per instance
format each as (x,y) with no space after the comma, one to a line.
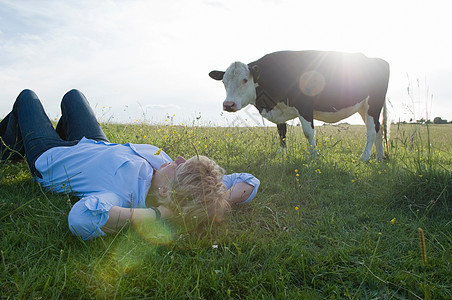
(231,179)
(90,214)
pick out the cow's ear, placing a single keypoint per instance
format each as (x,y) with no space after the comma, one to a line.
(255,72)
(217,75)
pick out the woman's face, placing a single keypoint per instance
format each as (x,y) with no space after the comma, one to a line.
(167,171)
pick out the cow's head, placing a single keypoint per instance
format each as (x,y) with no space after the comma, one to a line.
(239,82)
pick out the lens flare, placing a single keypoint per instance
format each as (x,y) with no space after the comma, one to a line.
(311,83)
(154,231)
(133,249)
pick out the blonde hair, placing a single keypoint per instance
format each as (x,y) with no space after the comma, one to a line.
(197,194)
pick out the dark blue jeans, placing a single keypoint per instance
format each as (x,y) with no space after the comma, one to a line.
(27,131)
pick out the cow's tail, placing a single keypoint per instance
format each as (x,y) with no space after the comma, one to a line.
(386,122)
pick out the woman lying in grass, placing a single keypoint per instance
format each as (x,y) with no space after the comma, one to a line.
(116,183)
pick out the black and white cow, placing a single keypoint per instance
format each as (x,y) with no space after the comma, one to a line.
(321,85)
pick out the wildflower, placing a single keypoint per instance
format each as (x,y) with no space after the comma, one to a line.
(296,170)
(297,175)
(297,208)
(214,246)
(420,175)
(393,221)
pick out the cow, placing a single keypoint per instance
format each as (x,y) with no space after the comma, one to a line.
(327,86)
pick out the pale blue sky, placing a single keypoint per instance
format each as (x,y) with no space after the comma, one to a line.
(138,59)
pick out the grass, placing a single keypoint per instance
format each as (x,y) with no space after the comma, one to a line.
(333,227)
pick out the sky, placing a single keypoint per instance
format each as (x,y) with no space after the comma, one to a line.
(148,61)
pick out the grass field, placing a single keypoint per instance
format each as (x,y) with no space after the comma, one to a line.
(333,227)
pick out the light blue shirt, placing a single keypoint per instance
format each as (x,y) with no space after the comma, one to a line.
(104,175)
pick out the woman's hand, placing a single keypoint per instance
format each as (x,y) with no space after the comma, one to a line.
(165,212)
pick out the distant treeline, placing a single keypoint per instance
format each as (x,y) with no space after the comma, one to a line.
(436,120)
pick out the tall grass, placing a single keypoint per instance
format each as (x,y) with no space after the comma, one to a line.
(331,227)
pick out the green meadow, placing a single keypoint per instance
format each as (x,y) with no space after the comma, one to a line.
(332,227)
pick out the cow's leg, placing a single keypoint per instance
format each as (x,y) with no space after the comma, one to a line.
(379,145)
(379,132)
(308,130)
(371,134)
(282,129)
(374,129)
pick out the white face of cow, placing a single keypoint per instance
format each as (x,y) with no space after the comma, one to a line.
(240,89)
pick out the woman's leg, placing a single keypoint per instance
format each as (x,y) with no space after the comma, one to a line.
(29,131)
(78,119)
